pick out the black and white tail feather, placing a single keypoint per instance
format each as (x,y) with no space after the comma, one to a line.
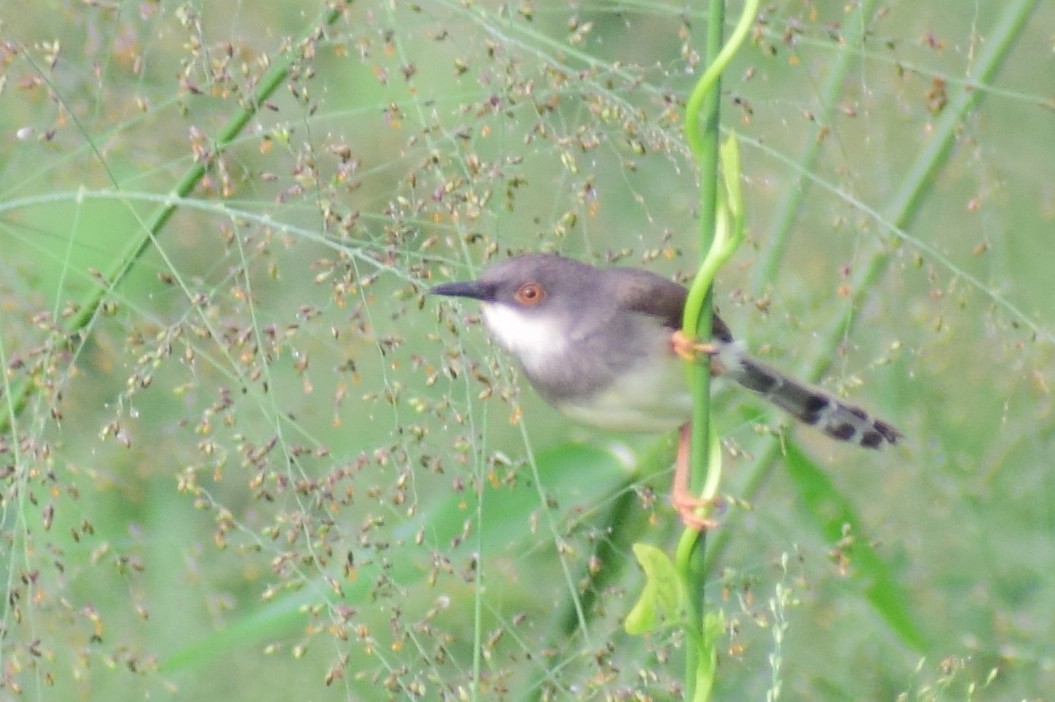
(807,404)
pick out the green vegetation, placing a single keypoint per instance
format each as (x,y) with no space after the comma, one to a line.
(244,457)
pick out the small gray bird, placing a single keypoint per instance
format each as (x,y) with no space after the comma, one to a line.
(601,345)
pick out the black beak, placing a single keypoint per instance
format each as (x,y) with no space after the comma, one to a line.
(474,289)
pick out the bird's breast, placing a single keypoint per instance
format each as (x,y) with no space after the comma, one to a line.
(620,376)
(651,396)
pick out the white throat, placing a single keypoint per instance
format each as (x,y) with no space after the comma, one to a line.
(533,340)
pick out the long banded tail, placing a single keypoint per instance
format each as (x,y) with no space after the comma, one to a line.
(807,404)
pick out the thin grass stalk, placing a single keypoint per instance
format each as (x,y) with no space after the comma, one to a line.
(795,191)
(151,228)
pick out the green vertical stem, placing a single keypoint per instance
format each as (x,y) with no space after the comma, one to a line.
(692,545)
(721,230)
(707,160)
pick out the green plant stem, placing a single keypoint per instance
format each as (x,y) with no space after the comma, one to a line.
(126,261)
(703,140)
(704,105)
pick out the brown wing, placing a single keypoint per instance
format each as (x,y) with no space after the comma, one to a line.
(652,294)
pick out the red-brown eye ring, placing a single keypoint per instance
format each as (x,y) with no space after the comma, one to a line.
(529,294)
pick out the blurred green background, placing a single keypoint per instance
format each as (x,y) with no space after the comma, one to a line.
(267,466)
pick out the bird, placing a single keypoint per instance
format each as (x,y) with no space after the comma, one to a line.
(604,346)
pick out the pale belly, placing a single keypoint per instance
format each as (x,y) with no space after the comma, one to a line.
(650,398)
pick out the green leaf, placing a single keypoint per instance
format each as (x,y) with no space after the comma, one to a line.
(662,599)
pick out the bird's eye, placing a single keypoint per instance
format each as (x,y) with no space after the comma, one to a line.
(530,294)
